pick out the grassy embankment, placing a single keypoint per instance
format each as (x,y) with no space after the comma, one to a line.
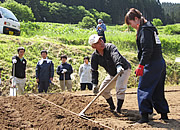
(71,40)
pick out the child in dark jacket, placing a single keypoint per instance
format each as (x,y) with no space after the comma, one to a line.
(64,71)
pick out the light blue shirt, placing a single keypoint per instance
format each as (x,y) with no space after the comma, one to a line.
(102,28)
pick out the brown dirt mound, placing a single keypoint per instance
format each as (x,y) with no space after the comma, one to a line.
(31,112)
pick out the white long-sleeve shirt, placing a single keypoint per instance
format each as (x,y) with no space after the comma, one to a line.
(85,73)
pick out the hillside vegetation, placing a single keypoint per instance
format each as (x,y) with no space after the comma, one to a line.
(73,11)
(71,40)
(60,10)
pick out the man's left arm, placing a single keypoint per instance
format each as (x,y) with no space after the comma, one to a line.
(52,70)
(70,70)
(25,67)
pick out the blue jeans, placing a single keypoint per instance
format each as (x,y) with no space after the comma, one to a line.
(151,88)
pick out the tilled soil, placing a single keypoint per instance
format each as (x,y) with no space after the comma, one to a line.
(43,111)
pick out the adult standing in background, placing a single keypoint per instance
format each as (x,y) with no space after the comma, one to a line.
(151,68)
(44,72)
(101,27)
(85,74)
(19,70)
(64,71)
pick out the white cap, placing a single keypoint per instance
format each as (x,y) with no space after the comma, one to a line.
(94,39)
(100,21)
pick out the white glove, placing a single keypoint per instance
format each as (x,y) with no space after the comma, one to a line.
(0,80)
(95,89)
(64,71)
(14,61)
(11,77)
(119,68)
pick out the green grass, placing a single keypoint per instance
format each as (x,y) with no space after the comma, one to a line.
(71,34)
(71,40)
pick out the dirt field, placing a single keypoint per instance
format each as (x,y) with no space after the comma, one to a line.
(33,112)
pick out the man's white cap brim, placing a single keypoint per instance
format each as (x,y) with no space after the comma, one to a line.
(94,39)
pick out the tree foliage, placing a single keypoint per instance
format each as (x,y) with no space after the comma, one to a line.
(157,22)
(22,12)
(172,12)
(101,15)
(55,11)
(172,29)
(118,8)
(87,22)
(73,11)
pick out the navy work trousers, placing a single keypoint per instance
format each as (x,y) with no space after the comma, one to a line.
(151,88)
(43,86)
(83,86)
(103,37)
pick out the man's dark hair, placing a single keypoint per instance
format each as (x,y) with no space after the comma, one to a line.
(63,56)
(86,57)
(1,69)
(43,51)
(20,48)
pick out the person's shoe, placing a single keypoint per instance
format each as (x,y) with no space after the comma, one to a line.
(144,118)
(119,105)
(111,103)
(164,117)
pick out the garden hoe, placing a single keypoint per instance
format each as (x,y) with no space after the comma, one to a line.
(13,89)
(64,76)
(82,113)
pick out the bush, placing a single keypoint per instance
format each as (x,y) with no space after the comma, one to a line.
(22,12)
(125,27)
(105,17)
(29,28)
(172,29)
(87,22)
(157,22)
(61,13)
(101,15)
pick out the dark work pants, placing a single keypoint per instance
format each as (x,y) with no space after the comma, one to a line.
(43,86)
(103,37)
(83,86)
(151,88)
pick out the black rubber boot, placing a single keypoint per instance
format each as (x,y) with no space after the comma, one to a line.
(144,118)
(119,105)
(111,103)
(164,116)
